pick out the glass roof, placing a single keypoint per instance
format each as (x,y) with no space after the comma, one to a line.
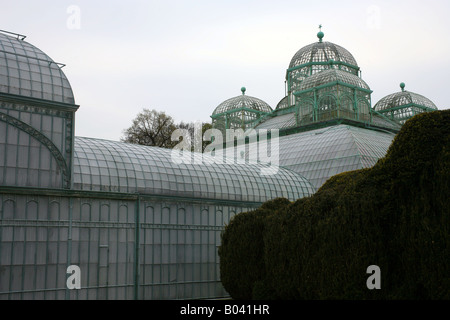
(27,71)
(242,101)
(331,75)
(278,122)
(324,52)
(102,165)
(403,98)
(319,154)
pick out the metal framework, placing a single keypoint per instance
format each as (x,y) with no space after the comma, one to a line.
(128,246)
(332,94)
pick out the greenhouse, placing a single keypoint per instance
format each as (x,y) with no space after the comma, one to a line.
(138,225)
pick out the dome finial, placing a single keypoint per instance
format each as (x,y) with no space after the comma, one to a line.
(243,90)
(402,85)
(320,34)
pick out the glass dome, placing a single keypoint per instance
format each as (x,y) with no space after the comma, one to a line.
(239,112)
(242,101)
(403,98)
(27,71)
(314,57)
(323,52)
(333,75)
(403,105)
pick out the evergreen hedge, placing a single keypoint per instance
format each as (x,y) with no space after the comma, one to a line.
(242,249)
(395,215)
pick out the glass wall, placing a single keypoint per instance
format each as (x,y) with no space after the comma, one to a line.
(126,248)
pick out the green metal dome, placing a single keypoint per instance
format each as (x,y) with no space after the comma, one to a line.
(314,58)
(242,102)
(403,105)
(239,112)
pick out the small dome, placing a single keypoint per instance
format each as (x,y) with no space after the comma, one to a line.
(242,101)
(27,71)
(320,52)
(332,75)
(402,99)
(404,105)
(283,104)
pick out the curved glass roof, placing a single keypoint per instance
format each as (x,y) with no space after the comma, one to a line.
(27,71)
(331,75)
(323,52)
(242,101)
(283,104)
(101,165)
(403,98)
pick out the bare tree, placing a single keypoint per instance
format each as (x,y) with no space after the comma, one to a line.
(154,128)
(151,128)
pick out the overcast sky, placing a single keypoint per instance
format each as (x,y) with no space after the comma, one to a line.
(186,57)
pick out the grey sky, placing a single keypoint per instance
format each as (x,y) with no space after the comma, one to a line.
(186,57)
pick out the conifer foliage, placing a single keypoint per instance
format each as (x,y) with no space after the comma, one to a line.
(395,215)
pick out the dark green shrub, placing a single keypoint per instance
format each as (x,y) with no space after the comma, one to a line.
(319,248)
(242,248)
(395,215)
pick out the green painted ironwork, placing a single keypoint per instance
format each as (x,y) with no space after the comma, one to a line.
(239,112)
(60,159)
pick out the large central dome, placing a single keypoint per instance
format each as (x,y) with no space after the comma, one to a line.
(322,52)
(316,57)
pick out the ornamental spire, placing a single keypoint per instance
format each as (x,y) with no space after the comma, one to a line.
(320,34)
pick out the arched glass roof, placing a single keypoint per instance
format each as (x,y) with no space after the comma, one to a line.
(332,75)
(242,101)
(403,98)
(101,165)
(27,71)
